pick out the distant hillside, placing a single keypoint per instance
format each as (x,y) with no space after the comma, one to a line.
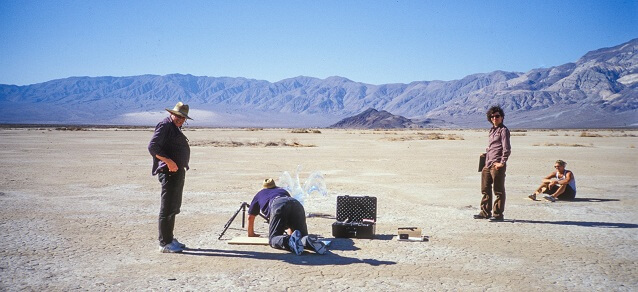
(598,90)
(373,119)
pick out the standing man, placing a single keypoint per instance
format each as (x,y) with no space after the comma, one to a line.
(171,153)
(498,151)
(284,214)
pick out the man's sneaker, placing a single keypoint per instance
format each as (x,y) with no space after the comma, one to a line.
(295,242)
(170,248)
(178,244)
(532,197)
(549,198)
(318,246)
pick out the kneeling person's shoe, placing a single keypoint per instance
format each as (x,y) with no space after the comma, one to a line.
(532,197)
(178,244)
(317,245)
(295,242)
(170,248)
(550,198)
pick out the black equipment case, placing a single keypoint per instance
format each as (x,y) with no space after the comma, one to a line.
(356,217)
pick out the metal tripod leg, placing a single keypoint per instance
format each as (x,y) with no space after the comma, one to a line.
(230,221)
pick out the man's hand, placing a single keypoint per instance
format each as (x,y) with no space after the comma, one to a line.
(172,166)
(498,165)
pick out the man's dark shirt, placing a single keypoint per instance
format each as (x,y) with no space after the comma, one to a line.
(261,201)
(169,141)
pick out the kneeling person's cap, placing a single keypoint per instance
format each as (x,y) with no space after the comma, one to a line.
(269,183)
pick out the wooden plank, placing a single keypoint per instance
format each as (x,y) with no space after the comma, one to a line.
(245,240)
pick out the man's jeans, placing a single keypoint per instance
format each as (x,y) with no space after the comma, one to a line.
(171,202)
(286,212)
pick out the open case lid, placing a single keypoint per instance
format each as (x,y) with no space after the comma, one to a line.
(356,208)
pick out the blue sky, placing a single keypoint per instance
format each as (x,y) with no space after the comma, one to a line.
(366,41)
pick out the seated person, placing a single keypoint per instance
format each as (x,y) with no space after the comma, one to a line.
(283,213)
(560,184)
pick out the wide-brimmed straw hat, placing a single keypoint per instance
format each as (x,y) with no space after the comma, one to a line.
(269,183)
(180,109)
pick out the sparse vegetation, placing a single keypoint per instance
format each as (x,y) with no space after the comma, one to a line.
(563,145)
(304,131)
(71,128)
(588,134)
(231,143)
(428,136)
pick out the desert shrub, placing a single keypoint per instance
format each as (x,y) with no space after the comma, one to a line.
(562,145)
(71,129)
(588,134)
(231,143)
(428,136)
(305,131)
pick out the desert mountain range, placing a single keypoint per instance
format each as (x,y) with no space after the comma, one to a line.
(599,90)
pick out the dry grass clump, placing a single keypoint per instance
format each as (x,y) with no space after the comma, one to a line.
(563,145)
(622,134)
(254,129)
(439,136)
(71,129)
(305,131)
(588,134)
(427,136)
(231,143)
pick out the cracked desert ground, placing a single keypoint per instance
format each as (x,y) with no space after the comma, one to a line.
(79,212)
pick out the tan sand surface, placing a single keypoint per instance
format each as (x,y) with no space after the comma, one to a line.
(78,211)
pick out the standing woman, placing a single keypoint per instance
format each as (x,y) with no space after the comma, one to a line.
(493,174)
(171,154)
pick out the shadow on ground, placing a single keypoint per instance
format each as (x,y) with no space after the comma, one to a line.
(577,223)
(307,258)
(592,200)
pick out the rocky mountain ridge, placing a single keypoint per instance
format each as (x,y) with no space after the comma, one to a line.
(598,90)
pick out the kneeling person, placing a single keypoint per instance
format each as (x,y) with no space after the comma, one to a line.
(283,213)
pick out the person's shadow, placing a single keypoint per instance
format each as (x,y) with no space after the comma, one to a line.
(576,223)
(307,258)
(592,200)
